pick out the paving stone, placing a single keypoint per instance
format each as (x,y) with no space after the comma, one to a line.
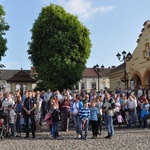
(135,138)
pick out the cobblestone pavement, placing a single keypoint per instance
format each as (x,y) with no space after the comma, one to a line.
(133,139)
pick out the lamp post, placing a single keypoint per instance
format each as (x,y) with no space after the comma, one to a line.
(98,70)
(125,58)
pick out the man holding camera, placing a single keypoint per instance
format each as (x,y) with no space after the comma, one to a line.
(108,112)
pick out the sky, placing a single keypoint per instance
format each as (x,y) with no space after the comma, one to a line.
(114,26)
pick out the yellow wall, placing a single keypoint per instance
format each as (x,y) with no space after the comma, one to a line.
(115,79)
(138,67)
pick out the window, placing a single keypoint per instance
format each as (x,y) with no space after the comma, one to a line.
(146,37)
(119,84)
(146,52)
(103,84)
(82,85)
(93,86)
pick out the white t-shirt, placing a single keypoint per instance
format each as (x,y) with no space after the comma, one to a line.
(117,106)
(132,103)
(12,115)
(119,118)
(75,108)
(47,96)
(6,103)
(140,92)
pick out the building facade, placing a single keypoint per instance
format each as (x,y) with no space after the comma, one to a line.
(138,67)
(90,80)
(10,81)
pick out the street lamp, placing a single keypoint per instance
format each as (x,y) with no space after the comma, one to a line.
(125,58)
(98,70)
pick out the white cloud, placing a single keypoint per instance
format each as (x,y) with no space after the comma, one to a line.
(82,8)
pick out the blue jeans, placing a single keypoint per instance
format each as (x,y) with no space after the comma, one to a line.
(128,124)
(12,126)
(45,106)
(144,121)
(78,124)
(51,130)
(133,115)
(55,129)
(109,124)
(86,127)
(18,124)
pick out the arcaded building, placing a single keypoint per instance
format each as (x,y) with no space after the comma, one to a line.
(138,67)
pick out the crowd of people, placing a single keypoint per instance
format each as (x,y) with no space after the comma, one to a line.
(87,110)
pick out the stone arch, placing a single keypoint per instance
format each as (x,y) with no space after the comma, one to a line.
(146,77)
(137,78)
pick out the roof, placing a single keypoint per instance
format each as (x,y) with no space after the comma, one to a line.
(89,72)
(6,74)
(21,76)
(120,67)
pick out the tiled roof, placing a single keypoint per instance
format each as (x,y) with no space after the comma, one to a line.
(89,72)
(7,74)
(117,68)
(12,75)
(21,76)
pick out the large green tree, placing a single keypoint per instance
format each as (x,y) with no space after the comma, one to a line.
(59,47)
(3,28)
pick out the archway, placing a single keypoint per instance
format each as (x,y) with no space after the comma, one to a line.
(146,77)
(137,78)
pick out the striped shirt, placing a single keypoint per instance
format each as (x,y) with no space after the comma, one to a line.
(6,103)
(84,113)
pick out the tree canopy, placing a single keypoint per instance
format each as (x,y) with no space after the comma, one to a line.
(3,27)
(59,47)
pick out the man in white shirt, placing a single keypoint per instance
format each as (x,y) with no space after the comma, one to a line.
(60,97)
(140,92)
(47,96)
(132,104)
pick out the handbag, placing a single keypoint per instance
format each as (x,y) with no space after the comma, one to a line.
(47,117)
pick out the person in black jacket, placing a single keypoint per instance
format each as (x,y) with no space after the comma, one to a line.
(29,106)
(55,120)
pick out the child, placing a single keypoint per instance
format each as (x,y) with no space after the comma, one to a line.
(128,119)
(119,119)
(1,122)
(12,119)
(99,105)
(144,113)
(84,114)
(49,112)
(55,120)
(94,120)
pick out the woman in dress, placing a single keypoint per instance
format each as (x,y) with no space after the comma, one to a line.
(65,112)
(38,110)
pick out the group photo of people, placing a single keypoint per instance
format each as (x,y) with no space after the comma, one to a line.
(81,112)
